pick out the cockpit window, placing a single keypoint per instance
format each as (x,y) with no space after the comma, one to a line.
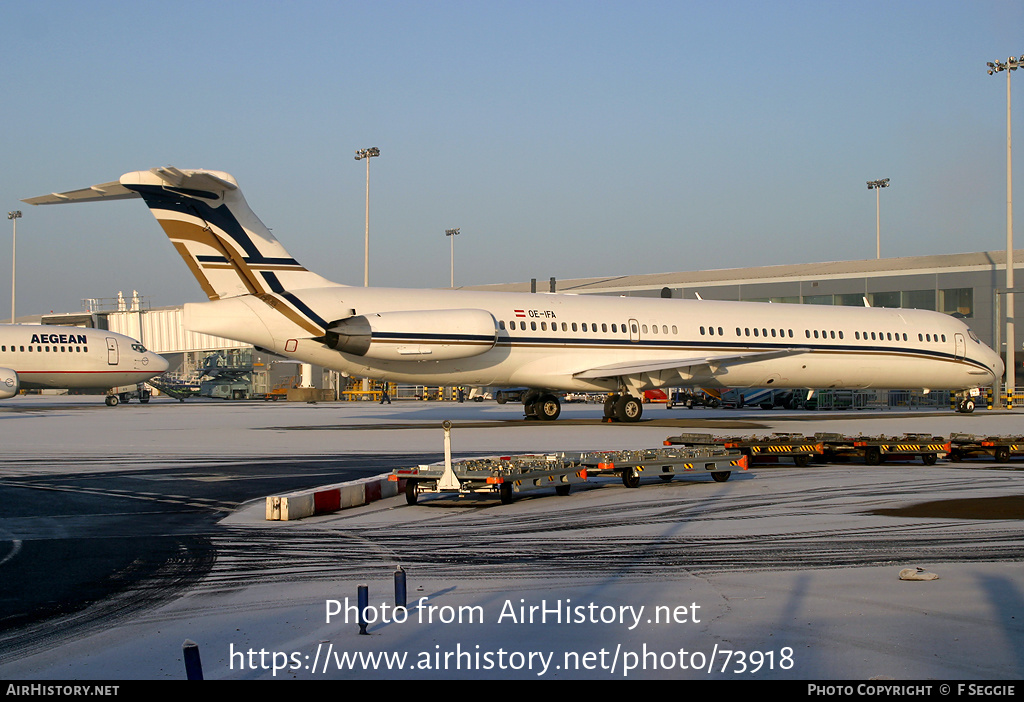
(974,336)
(139,347)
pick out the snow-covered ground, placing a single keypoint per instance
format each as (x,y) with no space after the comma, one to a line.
(780,573)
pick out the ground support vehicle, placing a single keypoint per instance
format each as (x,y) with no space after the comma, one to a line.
(663,462)
(1001,448)
(689,400)
(504,476)
(178,390)
(125,393)
(506,394)
(801,449)
(272,396)
(875,450)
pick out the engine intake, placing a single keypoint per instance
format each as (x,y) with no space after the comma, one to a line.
(9,383)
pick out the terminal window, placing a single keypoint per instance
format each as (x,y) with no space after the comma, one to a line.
(958,302)
(885,299)
(919,299)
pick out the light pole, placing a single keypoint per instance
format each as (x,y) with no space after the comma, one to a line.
(452,233)
(14,217)
(367,154)
(877,186)
(1011,64)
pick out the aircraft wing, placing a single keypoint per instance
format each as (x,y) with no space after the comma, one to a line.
(714,363)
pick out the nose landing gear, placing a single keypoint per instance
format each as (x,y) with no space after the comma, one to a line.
(964,403)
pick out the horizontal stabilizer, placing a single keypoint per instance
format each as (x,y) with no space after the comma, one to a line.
(168,176)
(616,370)
(104,191)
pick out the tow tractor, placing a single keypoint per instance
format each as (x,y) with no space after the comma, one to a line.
(125,393)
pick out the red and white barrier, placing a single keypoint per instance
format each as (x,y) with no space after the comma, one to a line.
(330,498)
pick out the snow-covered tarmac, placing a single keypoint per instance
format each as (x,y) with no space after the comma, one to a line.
(781,573)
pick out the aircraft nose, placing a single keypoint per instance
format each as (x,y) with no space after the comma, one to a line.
(159,363)
(998,368)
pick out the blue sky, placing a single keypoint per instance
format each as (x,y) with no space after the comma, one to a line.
(564,139)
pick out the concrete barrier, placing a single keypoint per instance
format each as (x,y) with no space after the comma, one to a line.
(329,498)
(297,506)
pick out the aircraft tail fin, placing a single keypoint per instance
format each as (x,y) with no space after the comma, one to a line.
(225,245)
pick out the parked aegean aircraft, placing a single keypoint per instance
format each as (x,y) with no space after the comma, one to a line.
(260,295)
(36,356)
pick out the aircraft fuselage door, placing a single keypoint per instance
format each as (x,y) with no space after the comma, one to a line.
(634,330)
(111,351)
(961,346)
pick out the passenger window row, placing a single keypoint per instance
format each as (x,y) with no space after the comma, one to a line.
(566,326)
(780,333)
(586,327)
(716,331)
(46,349)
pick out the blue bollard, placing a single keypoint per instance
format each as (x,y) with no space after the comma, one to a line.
(193,666)
(400,596)
(364,602)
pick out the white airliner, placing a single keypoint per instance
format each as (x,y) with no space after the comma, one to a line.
(260,295)
(36,356)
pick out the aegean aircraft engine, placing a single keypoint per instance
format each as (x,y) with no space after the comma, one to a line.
(9,384)
(421,335)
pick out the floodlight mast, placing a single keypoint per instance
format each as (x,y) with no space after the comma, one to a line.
(877,185)
(1011,64)
(14,217)
(367,154)
(452,233)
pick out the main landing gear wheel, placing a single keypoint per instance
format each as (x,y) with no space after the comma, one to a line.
(628,409)
(529,406)
(534,405)
(609,406)
(966,406)
(547,408)
(112,400)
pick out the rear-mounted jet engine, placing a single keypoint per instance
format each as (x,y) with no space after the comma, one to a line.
(422,335)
